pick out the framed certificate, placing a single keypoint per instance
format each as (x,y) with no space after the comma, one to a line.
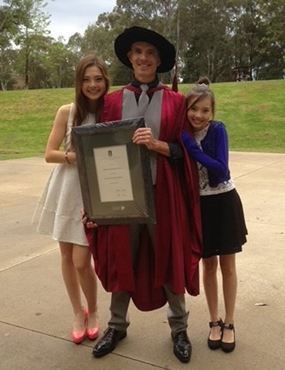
(114,173)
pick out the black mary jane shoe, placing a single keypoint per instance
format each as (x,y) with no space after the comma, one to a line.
(108,342)
(215,344)
(228,347)
(181,346)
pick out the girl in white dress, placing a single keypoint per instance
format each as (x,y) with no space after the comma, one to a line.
(61,202)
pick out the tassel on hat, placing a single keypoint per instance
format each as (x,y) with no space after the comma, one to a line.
(174,79)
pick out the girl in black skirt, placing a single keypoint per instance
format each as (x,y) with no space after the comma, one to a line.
(223,224)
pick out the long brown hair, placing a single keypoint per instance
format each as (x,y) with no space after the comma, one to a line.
(81,102)
(199,92)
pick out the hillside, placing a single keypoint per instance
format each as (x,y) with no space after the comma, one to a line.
(252,111)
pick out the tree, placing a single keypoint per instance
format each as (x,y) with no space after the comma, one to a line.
(74,45)
(10,15)
(211,38)
(61,65)
(99,38)
(9,27)
(271,64)
(33,23)
(6,68)
(207,39)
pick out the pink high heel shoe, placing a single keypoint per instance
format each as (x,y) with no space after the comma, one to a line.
(79,336)
(92,333)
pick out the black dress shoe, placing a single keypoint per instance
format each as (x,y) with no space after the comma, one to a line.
(215,344)
(182,347)
(228,347)
(108,342)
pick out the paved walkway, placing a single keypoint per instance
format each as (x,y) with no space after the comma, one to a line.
(35,315)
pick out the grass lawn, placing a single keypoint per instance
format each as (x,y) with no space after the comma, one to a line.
(252,111)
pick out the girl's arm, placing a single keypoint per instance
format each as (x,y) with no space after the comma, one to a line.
(217,165)
(53,153)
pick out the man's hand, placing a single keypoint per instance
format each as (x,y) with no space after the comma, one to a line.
(144,136)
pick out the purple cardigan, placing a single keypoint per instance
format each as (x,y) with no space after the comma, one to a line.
(214,154)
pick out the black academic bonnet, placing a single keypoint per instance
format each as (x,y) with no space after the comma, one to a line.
(124,41)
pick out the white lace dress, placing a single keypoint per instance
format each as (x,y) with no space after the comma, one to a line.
(58,210)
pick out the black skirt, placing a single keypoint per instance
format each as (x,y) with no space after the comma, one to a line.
(223,224)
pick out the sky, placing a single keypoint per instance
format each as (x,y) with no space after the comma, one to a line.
(70,16)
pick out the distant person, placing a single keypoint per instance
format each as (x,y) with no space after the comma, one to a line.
(152,264)
(223,223)
(61,202)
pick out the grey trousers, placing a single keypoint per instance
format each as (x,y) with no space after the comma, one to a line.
(176,313)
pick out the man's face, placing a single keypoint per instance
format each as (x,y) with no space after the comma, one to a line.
(145,59)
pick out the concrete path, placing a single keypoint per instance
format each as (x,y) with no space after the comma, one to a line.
(35,314)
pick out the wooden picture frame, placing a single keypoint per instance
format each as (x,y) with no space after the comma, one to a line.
(114,173)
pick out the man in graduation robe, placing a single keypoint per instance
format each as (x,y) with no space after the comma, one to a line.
(152,264)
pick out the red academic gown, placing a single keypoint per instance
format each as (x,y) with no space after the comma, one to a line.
(174,259)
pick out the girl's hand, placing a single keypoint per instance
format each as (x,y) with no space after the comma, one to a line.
(91,225)
(85,221)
